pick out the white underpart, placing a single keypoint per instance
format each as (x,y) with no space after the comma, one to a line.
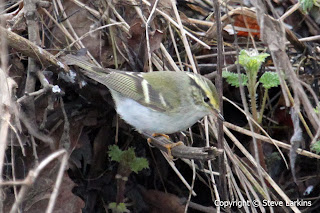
(145,119)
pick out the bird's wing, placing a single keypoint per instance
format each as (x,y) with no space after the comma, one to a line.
(159,91)
(145,88)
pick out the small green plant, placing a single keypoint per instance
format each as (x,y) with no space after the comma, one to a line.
(308,4)
(118,207)
(127,158)
(316,147)
(252,61)
(128,163)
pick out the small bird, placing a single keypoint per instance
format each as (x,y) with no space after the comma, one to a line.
(161,102)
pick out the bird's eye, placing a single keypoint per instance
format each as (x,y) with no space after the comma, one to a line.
(206,99)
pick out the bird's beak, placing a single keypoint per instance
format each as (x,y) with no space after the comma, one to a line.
(218,114)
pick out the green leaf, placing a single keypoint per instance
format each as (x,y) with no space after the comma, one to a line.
(307,4)
(269,79)
(120,207)
(316,147)
(128,155)
(251,60)
(115,153)
(232,78)
(128,158)
(113,205)
(138,164)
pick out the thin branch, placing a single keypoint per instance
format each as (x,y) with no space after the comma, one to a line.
(182,151)
(33,175)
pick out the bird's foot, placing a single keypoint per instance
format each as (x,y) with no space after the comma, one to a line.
(167,146)
(172,145)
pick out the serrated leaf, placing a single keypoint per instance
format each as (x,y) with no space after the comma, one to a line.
(307,5)
(138,164)
(115,153)
(113,205)
(316,147)
(128,155)
(269,79)
(120,207)
(251,60)
(128,158)
(232,78)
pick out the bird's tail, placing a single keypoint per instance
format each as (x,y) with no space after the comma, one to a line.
(81,61)
(90,70)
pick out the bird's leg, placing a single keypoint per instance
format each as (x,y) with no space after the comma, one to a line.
(167,146)
(159,134)
(156,135)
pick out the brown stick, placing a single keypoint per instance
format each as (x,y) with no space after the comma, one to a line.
(31,50)
(182,151)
